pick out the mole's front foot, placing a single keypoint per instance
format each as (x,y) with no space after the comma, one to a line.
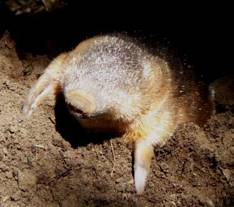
(143,156)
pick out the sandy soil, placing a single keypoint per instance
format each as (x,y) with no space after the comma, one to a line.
(48,161)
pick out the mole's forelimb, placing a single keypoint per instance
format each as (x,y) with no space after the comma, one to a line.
(153,129)
(47,85)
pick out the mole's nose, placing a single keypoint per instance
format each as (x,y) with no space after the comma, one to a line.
(80,102)
(79,113)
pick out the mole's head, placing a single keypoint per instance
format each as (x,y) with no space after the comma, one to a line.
(86,100)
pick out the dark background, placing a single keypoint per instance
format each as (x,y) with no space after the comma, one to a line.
(201,33)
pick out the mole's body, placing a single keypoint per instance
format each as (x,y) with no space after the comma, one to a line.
(111,83)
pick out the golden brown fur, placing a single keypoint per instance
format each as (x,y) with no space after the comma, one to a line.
(111,83)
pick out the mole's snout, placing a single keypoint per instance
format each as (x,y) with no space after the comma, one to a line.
(80,103)
(78,112)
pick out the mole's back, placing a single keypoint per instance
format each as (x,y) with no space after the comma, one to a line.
(116,61)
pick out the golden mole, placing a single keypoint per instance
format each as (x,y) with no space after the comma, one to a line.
(111,82)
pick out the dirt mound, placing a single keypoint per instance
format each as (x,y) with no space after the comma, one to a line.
(46,161)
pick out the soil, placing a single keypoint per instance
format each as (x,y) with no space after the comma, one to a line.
(47,160)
